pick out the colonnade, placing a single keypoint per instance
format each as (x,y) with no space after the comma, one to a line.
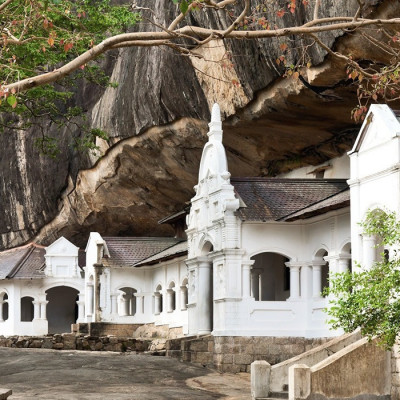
(305,277)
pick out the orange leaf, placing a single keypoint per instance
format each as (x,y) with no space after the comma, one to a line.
(283,46)
(280,13)
(50,41)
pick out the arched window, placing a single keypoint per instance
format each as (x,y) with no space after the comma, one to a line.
(27,309)
(127,304)
(3,307)
(270,280)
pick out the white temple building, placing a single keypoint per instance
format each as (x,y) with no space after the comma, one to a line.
(257,257)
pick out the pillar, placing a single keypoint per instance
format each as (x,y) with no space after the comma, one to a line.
(114,304)
(205,297)
(139,303)
(369,251)
(246,278)
(90,292)
(316,279)
(306,282)
(81,308)
(36,310)
(98,270)
(184,297)
(124,305)
(294,280)
(43,309)
(343,264)
(170,300)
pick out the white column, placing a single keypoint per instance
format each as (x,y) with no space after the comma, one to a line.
(294,280)
(343,264)
(369,251)
(36,309)
(125,305)
(43,309)
(170,300)
(139,303)
(184,298)
(114,303)
(306,281)
(246,279)
(81,307)
(205,297)
(90,292)
(316,274)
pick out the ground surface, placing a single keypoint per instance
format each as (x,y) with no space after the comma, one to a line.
(70,375)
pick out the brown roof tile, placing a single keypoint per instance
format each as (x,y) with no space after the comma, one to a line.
(177,250)
(127,251)
(22,262)
(273,199)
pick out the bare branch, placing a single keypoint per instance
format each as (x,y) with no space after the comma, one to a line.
(5,4)
(316,9)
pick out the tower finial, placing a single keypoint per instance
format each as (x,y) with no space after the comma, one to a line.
(215,113)
(215,132)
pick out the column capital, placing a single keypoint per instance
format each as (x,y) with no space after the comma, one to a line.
(295,265)
(248,263)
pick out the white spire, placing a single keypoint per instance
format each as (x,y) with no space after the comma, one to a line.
(215,132)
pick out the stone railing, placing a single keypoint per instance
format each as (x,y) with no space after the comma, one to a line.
(362,370)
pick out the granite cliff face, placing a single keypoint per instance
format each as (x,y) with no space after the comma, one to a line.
(157,122)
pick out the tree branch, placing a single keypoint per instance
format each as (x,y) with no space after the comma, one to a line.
(196,34)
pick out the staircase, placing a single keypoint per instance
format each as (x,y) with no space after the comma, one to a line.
(346,367)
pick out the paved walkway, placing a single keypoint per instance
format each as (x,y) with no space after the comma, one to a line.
(73,375)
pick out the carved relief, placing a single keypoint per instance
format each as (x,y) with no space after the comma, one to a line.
(192,285)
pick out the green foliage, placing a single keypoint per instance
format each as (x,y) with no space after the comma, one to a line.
(37,36)
(370,299)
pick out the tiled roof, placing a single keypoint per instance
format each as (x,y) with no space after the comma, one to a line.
(335,202)
(274,199)
(22,262)
(177,250)
(128,251)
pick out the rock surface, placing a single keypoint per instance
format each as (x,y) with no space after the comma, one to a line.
(157,122)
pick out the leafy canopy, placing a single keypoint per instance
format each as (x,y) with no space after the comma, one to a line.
(370,299)
(36,37)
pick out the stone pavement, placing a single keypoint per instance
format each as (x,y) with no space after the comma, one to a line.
(72,375)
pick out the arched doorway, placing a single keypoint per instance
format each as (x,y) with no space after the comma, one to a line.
(62,309)
(270,278)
